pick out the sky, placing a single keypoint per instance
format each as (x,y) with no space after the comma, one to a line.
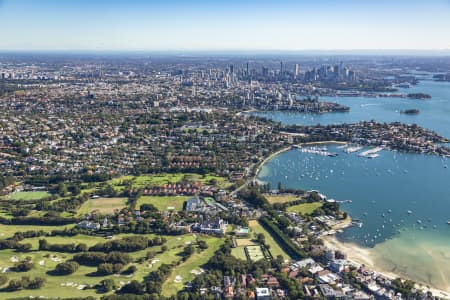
(292,25)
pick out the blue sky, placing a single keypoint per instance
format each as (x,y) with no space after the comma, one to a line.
(224,25)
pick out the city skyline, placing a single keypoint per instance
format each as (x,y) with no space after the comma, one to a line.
(224,25)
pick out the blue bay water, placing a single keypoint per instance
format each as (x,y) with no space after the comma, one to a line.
(384,189)
(434,113)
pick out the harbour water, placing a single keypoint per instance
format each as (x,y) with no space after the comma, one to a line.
(403,200)
(434,113)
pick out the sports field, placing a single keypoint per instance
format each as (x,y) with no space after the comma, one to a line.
(102,205)
(305,208)
(29,195)
(274,247)
(163,203)
(254,253)
(282,198)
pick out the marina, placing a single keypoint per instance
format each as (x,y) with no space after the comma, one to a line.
(383,219)
(414,186)
(371,153)
(352,149)
(322,151)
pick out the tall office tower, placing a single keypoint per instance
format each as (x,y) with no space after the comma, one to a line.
(231,69)
(265,71)
(341,71)
(295,71)
(281,69)
(247,70)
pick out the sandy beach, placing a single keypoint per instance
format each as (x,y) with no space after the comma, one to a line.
(263,162)
(390,259)
(364,256)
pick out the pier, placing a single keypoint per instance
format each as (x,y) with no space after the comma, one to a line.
(371,153)
(352,149)
(319,151)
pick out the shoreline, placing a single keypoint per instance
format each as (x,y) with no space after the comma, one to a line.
(355,253)
(265,160)
(362,256)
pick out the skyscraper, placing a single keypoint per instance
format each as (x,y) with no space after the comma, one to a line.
(295,71)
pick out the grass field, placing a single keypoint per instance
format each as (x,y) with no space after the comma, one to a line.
(186,269)
(283,198)
(119,184)
(239,252)
(9,230)
(29,195)
(275,248)
(174,245)
(86,239)
(102,205)
(305,208)
(150,180)
(255,252)
(53,287)
(244,242)
(56,286)
(162,203)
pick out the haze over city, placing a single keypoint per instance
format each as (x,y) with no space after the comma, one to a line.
(224,25)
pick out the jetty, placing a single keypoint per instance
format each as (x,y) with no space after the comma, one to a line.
(319,151)
(352,149)
(371,153)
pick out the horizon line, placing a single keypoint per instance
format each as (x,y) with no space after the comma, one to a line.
(236,52)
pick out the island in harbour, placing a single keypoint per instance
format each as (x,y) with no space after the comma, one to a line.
(412,111)
(421,96)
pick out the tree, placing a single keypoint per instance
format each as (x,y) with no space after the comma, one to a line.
(283,222)
(202,244)
(107,285)
(23,266)
(3,279)
(260,237)
(130,270)
(105,269)
(74,189)
(66,268)
(62,189)
(14,285)
(82,247)
(134,287)
(43,245)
